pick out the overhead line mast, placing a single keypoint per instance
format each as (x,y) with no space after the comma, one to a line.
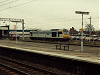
(15,20)
(86,13)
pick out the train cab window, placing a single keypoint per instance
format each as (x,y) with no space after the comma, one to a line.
(54,34)
(31,33)
(0,33)
(66,32)
(59,34)
(5,32)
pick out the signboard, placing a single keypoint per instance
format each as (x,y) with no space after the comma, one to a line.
(10,19)
(81,29)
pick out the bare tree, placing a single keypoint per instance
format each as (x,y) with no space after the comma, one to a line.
(89,28)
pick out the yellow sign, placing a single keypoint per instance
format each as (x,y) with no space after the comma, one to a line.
(81,29)
(38,33)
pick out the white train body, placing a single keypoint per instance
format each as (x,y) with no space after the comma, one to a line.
(54,34)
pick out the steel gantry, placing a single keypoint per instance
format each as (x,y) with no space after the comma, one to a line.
(15,20)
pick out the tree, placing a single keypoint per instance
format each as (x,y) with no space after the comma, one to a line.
(89,28)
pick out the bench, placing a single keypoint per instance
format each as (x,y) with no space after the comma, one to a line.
(57,46)
(63,44)
(66,46)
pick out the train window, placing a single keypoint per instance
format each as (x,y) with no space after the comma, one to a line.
(5,32)
(0,33)
(59,33)
(66,32)
(31,33)
(54,34)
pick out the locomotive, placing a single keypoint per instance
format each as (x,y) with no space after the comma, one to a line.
(50,35)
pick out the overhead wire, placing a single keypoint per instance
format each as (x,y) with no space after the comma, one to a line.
(26,3)
(4,1)
(91,7)
(88,18)
(17,5)
(8,2)
(62,21)
(85,22)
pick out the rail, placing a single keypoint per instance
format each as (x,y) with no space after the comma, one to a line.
(22,68)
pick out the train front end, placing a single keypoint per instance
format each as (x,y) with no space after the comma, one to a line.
(66,35)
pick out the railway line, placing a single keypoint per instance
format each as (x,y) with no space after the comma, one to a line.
(23,68)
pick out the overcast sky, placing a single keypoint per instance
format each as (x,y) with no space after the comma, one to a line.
(50,14)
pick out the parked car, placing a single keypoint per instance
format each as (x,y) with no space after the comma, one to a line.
(77,37)
(89,38)
(95,38)
(98,38)
(73,37)
(83,37)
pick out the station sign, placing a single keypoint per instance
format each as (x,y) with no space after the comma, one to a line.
(81,29)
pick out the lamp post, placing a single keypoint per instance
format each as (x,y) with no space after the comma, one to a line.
(16,29)
(9,23)
(23,28)
(86,13)
(90,27)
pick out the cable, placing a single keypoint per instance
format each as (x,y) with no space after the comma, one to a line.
(17,5)
(8,2)
(85,22)
(4,1)
(95,17)
(91,8)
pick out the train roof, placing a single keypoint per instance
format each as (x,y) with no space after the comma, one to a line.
(51,30)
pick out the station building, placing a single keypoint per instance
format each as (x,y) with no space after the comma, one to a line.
(4,31)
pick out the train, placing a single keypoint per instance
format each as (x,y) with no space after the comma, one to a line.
(12,33)
(50,35)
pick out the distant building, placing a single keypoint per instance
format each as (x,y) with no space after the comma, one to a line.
(4,31)
(73,31)
(92,33)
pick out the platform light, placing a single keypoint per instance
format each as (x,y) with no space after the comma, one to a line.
(82,12)
(86,13)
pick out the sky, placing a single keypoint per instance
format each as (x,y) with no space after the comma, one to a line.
(50,14)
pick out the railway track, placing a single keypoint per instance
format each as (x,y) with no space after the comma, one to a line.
(23,68)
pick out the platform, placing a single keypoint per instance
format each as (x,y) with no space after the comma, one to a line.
(91,54)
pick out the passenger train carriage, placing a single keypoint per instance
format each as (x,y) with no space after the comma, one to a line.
(53,35)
